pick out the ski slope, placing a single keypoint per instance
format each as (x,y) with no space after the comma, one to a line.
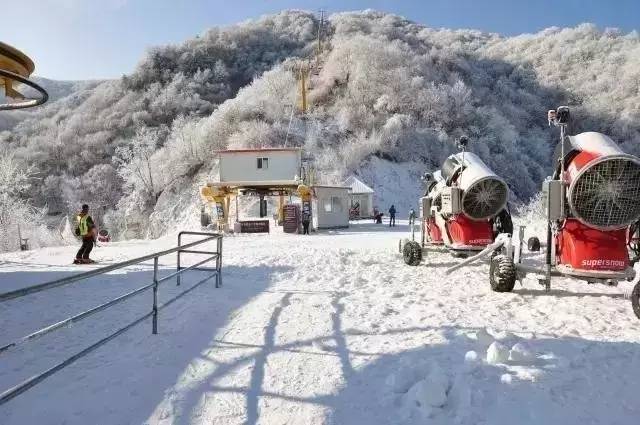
(327,329)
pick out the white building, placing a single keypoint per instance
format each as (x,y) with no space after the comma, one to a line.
(330,207)
(260,167)
(362,195)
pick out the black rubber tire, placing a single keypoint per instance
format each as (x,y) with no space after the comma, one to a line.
(533,244)
(502,273)
(412,253)
(635,300)
(503,222)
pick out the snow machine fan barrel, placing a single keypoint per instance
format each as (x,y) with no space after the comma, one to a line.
(604,183)
(484,194)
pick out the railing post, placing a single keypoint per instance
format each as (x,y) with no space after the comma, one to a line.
(154,319)
(178,252)
(219,263)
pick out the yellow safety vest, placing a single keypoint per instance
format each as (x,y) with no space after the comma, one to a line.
(82,224)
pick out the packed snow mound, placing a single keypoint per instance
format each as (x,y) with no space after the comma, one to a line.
(521,353)
(402,380)
(497,353)
(430,392)
(471,357)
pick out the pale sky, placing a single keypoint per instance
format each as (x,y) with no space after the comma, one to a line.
(92,39)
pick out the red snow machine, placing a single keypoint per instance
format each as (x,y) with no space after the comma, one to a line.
(104,236)
(592,205)
(464,208)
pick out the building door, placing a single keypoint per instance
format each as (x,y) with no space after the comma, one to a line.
(365,209)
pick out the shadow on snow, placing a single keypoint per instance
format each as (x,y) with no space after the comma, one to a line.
(130,373)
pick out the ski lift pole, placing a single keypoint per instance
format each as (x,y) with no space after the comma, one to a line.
(413,229)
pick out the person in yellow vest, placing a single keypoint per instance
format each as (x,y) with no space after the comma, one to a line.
(86,229)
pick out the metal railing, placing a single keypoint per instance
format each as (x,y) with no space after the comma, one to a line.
(180,249)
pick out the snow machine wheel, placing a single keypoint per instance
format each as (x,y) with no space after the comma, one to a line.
(635,300)
(412,253)
(502,273)
(533,244)
(503,222)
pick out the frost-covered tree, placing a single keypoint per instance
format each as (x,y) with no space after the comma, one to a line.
(18,219)
(386,88)
(134,163)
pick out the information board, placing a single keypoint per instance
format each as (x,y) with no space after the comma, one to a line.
(291,222)
(254,226)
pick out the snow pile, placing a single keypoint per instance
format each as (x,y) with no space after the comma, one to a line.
(521,353)
(497,353)
(471,357)
(429,395)
(440,391)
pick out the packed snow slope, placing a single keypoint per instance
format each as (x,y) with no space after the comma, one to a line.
(386,88)
(327,329)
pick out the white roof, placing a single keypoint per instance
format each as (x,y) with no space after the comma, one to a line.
(357,186)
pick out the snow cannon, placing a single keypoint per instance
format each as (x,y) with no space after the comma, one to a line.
(603,182)
(478,192)
(464,208)
(15,69)
(592,208)
(600,184)
(591,201)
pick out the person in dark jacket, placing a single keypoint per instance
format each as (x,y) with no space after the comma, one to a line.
(85,228)
(412,217)
(392,216)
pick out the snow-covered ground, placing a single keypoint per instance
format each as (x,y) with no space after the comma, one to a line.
(331,328)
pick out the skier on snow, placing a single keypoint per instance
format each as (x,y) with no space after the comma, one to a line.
(86,229)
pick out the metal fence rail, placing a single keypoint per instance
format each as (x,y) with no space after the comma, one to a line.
(184,250)
(180,249)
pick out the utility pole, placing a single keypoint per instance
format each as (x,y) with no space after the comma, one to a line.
(320,39)
(320,31)
(303,88)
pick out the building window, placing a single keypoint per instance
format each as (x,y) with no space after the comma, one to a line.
(263,163)
(336,204)
(327,205)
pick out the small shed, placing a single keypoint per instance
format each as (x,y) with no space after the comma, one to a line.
(330,207)
(361,198)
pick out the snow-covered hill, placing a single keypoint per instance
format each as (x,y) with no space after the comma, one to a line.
(387,89)
(327,329)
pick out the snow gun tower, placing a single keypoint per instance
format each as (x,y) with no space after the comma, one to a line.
(592,207)
(464,208)
(15,69)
